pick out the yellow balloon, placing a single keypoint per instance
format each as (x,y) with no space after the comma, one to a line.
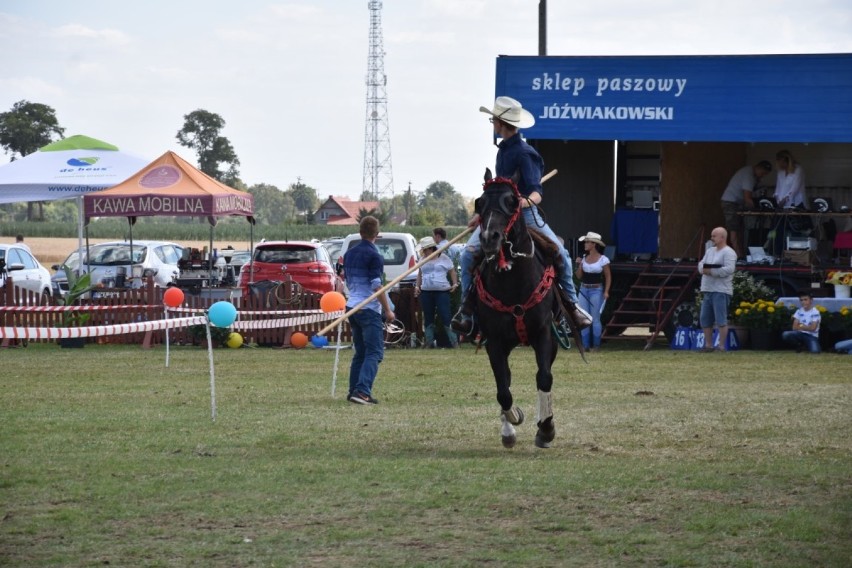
(235,340)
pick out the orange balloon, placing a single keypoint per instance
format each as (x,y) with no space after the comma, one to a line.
(332,302)
(298,340)
(173,297)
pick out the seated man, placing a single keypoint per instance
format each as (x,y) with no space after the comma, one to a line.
(806,320)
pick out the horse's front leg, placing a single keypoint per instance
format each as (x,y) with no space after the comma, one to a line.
(545,353)
(511,415)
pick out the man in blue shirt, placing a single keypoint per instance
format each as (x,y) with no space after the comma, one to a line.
(515,155)
(363,269)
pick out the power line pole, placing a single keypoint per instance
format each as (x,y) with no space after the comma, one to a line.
(378,173)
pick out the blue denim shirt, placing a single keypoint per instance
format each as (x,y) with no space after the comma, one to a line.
(363,267)
(516,155)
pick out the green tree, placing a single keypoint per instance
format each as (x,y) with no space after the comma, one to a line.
(373,212)
(201,132)
(25,129)
(428,217)
(442,197)
(306,200)
(272,206)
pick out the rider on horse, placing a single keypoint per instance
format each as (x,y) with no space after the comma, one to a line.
(515,155)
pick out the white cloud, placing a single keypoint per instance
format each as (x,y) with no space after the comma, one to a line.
(107,36)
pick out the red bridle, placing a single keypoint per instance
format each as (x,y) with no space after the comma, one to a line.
(501,258)
(538,294)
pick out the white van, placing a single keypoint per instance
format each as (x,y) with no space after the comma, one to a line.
(398,249)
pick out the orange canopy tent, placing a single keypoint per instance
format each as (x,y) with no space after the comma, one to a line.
(169,186)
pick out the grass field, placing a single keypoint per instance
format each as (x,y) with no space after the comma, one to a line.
(661,458)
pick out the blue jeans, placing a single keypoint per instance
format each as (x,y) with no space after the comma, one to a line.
(844,346)
(800,338)
(432,302)
(369,340)
(591,300)
(532,219)
(714,309)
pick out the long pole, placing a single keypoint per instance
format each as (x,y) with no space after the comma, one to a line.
(396,280)
(393,283)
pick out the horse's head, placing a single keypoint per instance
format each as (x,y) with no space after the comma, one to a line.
(499,210)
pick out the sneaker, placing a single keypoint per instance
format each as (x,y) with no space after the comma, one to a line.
(361,398)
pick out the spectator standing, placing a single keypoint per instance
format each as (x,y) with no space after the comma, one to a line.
(717,287)
(595,277)
(439,234)
(19,240)
(790,185)
(363,271)
(436,279)
(806,322)
(738,196)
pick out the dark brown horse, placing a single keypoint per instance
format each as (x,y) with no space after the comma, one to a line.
(516,288)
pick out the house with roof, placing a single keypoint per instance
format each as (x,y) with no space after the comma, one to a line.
(341,211)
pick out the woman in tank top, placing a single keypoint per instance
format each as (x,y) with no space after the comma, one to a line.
(595,280)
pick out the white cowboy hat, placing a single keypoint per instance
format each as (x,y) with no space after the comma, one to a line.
(510,111)
(593,238)
(426,242)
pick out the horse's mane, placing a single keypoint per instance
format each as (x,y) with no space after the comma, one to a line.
(545,250)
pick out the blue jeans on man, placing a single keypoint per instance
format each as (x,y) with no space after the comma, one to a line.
(368,338)
(802,339)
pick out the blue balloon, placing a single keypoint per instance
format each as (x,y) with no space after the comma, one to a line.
(222,314)
(319,341)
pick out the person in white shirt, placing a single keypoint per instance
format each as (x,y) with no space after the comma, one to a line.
(806,322)
(717,287)
(595,276)
(19,240)
(436,279)
(738,196)
(790,184)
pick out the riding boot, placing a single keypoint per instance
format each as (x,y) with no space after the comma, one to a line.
(581,318)
(429,337)
(462,322)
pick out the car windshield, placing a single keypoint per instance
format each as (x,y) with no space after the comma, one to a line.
(285,255)
(392,250)
(111,255)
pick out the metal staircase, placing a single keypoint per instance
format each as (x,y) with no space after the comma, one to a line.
(653,300)
(650,303)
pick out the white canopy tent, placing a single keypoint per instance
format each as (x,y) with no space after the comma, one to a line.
(69,168)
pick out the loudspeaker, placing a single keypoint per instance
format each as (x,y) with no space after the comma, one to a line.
(821,204)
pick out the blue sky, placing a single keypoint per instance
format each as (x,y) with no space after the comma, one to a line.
(288,77)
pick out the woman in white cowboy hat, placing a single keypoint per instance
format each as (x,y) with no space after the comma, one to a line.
(515,155)
(595,277)
(436,279)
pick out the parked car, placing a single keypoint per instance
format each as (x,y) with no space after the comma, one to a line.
(26,272)
(306,263)
(399,250)
(333,245)
(111,265)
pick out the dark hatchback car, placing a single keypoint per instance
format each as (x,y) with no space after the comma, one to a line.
(305,262)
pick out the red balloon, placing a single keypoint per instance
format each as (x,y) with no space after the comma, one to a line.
(332,302)
(298,340)
(173,297)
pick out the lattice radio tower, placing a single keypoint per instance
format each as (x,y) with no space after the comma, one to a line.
(378,173)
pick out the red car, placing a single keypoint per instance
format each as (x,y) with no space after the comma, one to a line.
(305,262)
